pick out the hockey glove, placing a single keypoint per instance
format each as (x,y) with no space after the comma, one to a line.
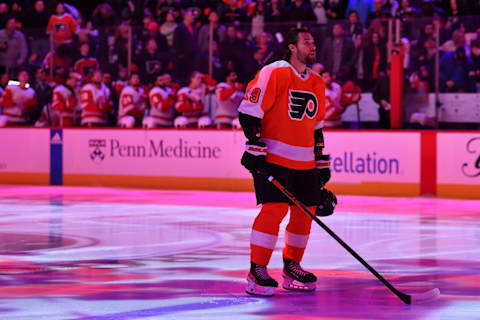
(327,203)
(254,157)
(322,163)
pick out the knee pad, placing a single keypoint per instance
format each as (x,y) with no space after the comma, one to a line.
(180,122)
(236,124)
(3,121)
(148,123)
(204,122)
(127,122)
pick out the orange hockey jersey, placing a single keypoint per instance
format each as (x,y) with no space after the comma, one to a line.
(291,107)
(63,27)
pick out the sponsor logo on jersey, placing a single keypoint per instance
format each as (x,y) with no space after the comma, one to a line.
(472,169)
(97,149)
(302,103)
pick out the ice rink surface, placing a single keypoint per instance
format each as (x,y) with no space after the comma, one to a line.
(100,253)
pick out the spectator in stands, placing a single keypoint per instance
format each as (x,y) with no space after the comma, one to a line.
(4,15)
(13,48)
(60,60)
(380,11)
(407,10)
(152,62)
(62,25)
(457,40)
(229,94)
(185,47)
(120,45)
(86,64)
(133,103)
(354,26)
(162,104)
(219,32)
(234,13)
(230,49)
(475,72)
(299,10)
(35,24)
(18,13)
(359,73)
(274,11)
(374,59)
(168,27)
(381,95)
(363,7)
(336,9)
(153,32)
(19,103)
(455,8)
(95,102)
(318,68)
(257,18)
(454,71)
(429,9)
(424,65)
(338,53)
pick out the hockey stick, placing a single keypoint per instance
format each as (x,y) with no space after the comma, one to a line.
(408,299)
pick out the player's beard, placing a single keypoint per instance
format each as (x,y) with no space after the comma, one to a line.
(308,58)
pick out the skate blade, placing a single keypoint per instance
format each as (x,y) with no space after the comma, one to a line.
(256,290)
(294,285)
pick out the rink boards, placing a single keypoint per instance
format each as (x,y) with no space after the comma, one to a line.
(367,162)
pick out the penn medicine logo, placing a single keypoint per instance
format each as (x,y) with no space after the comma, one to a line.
(97,149)
(302,103)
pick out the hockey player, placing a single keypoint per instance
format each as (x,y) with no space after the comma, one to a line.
(65,101)
(162,104)
(333,108)
(229,94)
(281,116)
(18,102)
(95,101)
(133,103)
(191,102)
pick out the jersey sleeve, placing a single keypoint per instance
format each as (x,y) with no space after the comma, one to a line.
(57,101)
(321,104)
(261,93)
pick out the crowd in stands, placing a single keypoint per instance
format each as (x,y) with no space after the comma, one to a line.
(72,64)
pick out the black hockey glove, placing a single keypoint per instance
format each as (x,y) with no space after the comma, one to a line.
(322,163)
(327,203)
(254,157)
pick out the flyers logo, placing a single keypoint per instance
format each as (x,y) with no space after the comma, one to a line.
(301,103)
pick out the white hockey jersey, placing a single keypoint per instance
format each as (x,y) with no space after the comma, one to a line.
(191,103)
(132,103)
(162,101)
(228,100)
(65,101)
(333,107)
(17,103)
(96,104)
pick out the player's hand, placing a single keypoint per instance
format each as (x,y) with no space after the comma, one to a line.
(326,203)
(254,157)
(323,172)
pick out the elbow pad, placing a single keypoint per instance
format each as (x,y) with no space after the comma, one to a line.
(251,126)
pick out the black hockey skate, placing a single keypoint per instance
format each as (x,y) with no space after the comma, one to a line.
(259,282)
(295,278)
